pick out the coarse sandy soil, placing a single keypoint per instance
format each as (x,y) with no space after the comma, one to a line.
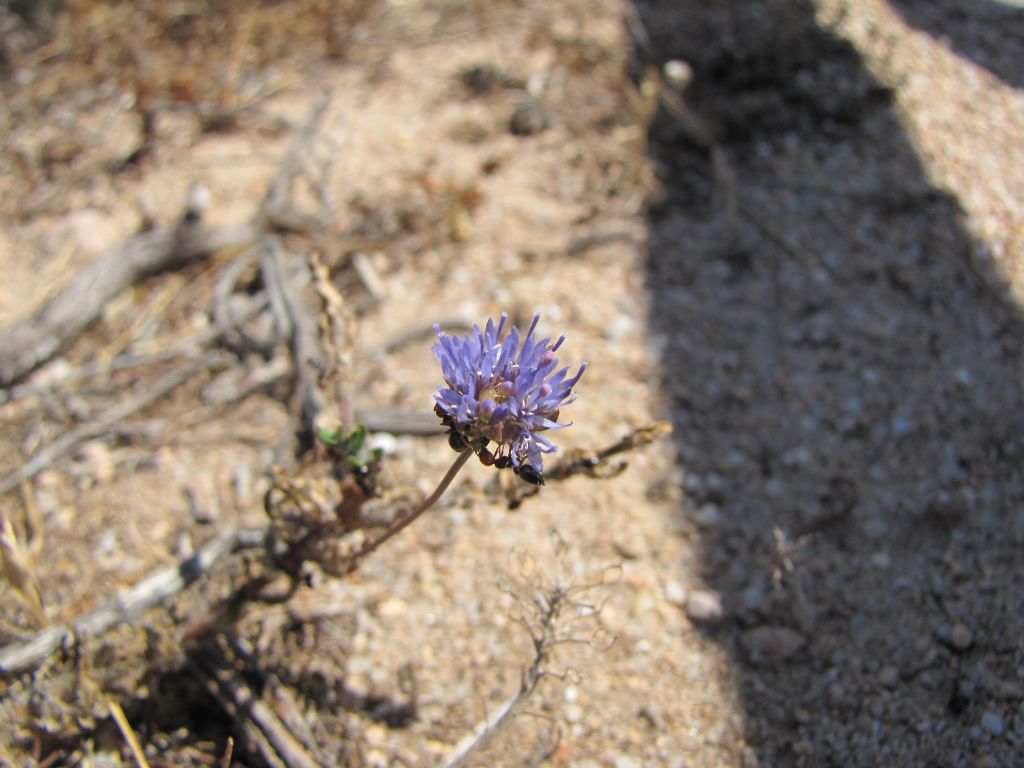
(792,231)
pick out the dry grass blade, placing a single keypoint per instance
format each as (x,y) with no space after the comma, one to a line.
(229,750)
(126,731)
(19,571)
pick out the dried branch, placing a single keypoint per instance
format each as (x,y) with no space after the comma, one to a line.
(276,211)
(400,422)
(107,420)
(19,657)
(302,334)
(260,726)
(545,636)
(162,354)
(32,342)
(225,311)
(337,331)
(595,463)
(592,463)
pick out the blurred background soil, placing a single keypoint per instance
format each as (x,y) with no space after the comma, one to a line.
(792,230)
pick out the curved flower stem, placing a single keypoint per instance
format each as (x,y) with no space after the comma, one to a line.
(427,503)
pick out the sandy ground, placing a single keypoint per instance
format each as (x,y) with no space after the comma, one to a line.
(804,255)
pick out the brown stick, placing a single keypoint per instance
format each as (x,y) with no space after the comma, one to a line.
(186,346)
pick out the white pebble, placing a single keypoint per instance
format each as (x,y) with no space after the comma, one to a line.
(704,606)
(675,593)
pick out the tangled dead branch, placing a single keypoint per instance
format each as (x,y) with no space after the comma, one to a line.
(546,619)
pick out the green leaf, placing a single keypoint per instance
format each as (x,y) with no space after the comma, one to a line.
(355,440)
(329,437)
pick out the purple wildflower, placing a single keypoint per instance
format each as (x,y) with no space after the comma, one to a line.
(498,390)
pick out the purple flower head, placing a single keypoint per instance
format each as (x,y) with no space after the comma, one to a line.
(503,390)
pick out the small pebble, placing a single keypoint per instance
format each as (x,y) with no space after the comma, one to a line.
(675,593)
(704,606)
(960,637)
(106,545)
(573,713)
(836,695)
(881,560)
(678,73)
(804,748)
(876,528)
(385,442)
(993,723)
(963,377)
(769,645)
(392,608)
(708,516)
(529,118)
(889,676)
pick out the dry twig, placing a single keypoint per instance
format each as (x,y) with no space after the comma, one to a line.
(107,420)
(260,726)
(18,657)
(276,211)
(129,360)
(36,340)
(302,334)
(544,619)
(592,463)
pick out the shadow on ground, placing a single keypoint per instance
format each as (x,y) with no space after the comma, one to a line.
(846,396)
(989,33)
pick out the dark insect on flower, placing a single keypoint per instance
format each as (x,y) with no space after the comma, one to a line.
(456,440)
(506,390)
(529,474)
